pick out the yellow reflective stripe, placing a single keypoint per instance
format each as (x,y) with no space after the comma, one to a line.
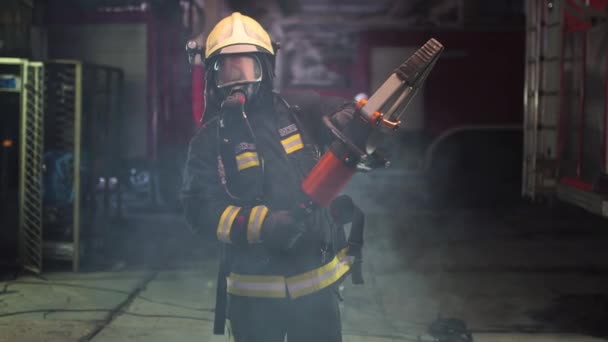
(256,286)
(246,160)
(225,224)
(297,286)
(321,277)
(293,143)
(254,226)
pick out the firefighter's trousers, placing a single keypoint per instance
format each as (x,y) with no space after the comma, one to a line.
(314,317)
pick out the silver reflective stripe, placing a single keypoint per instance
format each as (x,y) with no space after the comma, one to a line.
(292,144)
(320,278)
(256,286)
(248,159)
(254,227)
(278,286)
(225,224)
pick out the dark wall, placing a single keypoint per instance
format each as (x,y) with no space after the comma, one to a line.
(478,80)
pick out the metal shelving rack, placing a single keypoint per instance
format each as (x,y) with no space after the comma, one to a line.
(27,80)
(72,109)
(64,131)
(83,102)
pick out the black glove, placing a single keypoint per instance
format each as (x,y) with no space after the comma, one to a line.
(281,231)
(344,115)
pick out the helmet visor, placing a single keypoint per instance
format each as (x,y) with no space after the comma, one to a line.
(237,69)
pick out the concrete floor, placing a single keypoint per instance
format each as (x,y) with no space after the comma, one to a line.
(512,272)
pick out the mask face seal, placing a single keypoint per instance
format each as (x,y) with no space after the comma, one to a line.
(235,69)
(237,73)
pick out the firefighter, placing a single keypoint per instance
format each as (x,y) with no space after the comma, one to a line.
(282,258)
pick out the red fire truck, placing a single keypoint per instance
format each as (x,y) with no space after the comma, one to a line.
(566,108)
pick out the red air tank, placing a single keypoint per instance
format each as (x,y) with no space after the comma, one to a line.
(327,179)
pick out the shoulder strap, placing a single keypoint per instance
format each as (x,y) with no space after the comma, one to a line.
(221,171)
(294,112)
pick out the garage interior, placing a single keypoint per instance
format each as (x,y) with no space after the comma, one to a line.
(489,225)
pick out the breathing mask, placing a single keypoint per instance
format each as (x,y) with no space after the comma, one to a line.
(237,77)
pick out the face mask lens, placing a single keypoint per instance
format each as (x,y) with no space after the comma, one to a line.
(237,69)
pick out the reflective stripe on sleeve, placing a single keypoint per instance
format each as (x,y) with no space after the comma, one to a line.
(225,224)
(256,286)
(254,226)
(246,160)
(293,143)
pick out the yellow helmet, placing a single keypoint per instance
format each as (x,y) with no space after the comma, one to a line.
(238,33)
